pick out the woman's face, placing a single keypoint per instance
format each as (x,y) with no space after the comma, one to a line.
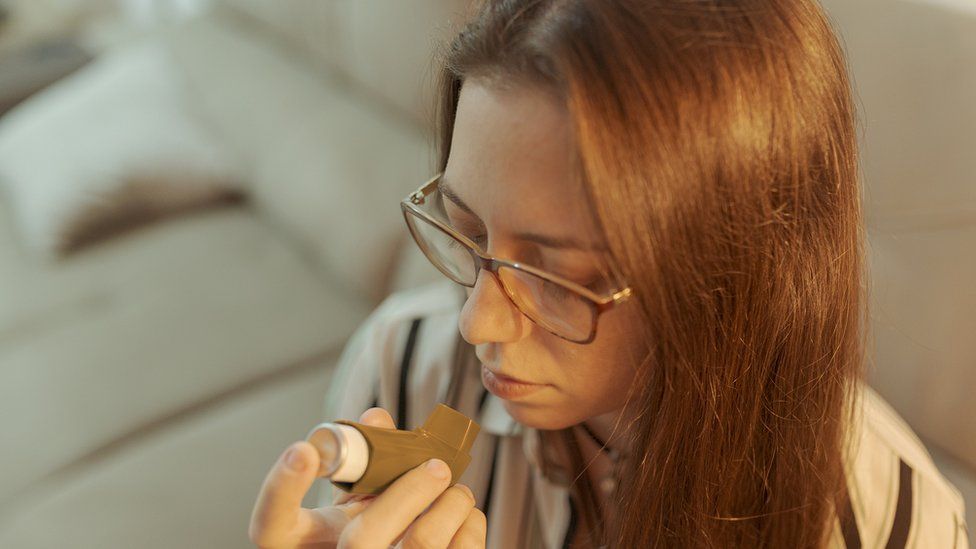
(510,165)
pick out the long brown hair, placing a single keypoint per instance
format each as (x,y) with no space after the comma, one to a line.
(721,138)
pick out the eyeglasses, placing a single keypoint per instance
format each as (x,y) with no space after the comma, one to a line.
(561,306)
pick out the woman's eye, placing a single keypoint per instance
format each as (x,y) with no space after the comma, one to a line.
(462,228)
(480,240)
(592,285)
(595,285)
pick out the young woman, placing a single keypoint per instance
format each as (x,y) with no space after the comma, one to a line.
(653,210)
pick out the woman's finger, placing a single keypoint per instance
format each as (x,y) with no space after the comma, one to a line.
(343,497)
(325,524)
(277,509)
(376,417)
(437,526)
(472,534)
(398,506)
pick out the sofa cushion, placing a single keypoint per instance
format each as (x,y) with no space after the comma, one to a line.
(108,148)
(325,164)
(140,328)
(189,484)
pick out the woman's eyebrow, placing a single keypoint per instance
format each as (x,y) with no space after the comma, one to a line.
(542,240)
(444,189)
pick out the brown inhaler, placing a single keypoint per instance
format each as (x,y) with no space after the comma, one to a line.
(363,459)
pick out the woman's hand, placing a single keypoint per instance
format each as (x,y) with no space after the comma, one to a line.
(416,510)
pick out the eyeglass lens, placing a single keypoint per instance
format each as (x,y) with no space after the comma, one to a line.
(551,305)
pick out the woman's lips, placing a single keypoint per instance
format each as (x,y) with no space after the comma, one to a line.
(484,363)
(507,387)
(504,377)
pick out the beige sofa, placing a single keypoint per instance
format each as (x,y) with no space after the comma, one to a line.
(147,384)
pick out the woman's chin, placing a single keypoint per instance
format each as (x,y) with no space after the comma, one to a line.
(547,418)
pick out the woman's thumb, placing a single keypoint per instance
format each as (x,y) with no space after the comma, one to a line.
(280,500)
(377,417)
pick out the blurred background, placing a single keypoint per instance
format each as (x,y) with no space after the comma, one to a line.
(199,204)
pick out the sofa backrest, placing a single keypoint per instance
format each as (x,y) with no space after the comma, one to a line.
(384,47)
(329,106)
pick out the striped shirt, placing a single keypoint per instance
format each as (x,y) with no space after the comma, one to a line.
(408,356)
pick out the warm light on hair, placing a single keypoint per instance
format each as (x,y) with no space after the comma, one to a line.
(721,139)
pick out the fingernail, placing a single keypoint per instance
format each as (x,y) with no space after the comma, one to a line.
(438,468)
(466,490)
(295,460)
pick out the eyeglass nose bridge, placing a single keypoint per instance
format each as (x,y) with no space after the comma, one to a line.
(484,262)
(491,265)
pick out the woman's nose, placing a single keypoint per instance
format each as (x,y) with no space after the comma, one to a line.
(488,315)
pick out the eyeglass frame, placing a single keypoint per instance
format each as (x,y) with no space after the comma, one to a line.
(410,205)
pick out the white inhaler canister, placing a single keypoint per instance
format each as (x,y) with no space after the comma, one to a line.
(343,450)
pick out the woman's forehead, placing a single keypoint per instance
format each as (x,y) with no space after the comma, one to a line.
(511,159)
